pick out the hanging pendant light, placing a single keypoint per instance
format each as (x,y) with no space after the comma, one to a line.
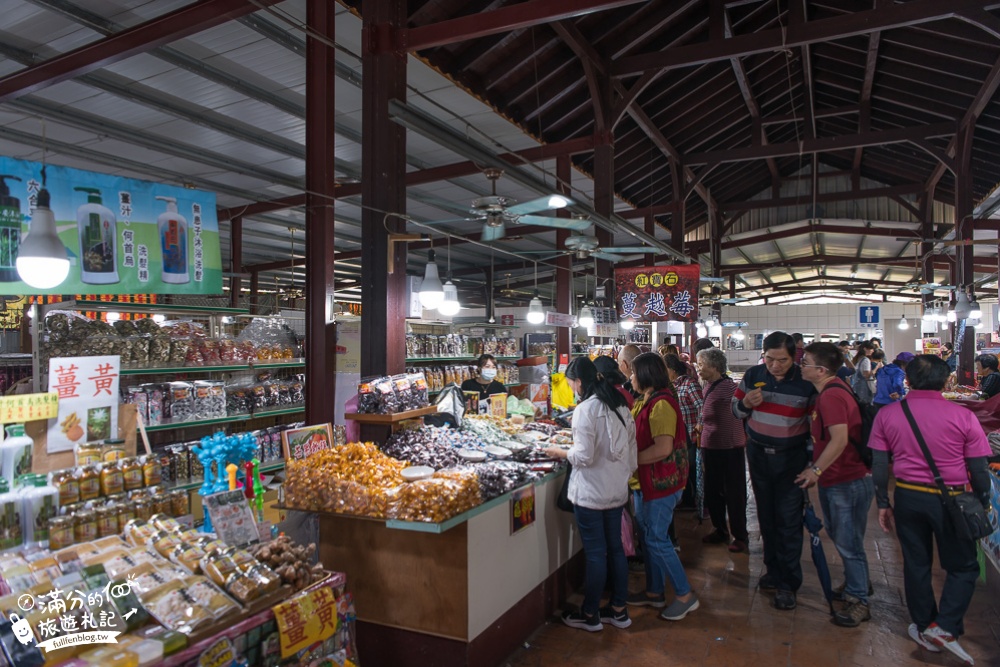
(738,335)
(903,324)
(449,304)
(42,262)
(627,324)
(586,318)
(975,312)
(431,290)
(700,329)
(536,312)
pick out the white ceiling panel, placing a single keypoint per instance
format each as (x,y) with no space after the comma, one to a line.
(140,67)
(67,92)
(54,131)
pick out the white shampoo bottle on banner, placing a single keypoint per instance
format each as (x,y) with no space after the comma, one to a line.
(98,240)
(173,228)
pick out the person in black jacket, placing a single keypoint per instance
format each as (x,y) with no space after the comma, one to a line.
(987,369)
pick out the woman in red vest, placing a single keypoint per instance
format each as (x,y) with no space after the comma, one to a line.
(663,469)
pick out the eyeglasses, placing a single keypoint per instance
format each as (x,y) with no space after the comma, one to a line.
(811,366)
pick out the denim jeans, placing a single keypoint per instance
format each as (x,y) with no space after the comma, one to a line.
(601,534)
(845,510)
(921,521)
(662,562)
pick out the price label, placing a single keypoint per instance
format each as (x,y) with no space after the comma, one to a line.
(219,654)
(28,407)
(522,508)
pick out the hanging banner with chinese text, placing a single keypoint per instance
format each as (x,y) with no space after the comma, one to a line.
(88,400)
(19,408)
(658,293)
(122,235)
(306,619)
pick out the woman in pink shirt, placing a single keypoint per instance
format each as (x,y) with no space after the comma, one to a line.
(959,448)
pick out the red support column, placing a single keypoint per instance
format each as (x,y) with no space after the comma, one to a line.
(564,274)
(965,254)
(604,194)
(383,190)
(321,336)
(235,260)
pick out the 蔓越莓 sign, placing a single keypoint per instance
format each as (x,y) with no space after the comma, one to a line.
(657,293)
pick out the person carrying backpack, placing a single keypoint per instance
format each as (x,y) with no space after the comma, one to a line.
(890,381)
(846,488)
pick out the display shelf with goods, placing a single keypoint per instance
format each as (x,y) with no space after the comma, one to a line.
(171,596)
(447,358)
(485,536)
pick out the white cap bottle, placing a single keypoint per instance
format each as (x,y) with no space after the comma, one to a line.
(172,228)
(98,240)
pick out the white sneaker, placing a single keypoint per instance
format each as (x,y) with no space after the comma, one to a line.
(945,639)
(915,636)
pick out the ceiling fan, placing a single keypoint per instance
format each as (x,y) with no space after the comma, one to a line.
(497,211)
(586,247)
(715,296)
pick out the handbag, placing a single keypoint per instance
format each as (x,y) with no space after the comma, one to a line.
(967,514)
(562,500)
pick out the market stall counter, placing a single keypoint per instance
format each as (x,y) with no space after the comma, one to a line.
(455,569)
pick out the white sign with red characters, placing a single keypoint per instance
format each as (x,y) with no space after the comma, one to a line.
(88,400)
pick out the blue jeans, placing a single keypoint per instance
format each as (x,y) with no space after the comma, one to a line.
(601,534)
(845,509)
(662,562)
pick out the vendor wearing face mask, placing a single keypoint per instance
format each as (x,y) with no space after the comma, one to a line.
(485,383)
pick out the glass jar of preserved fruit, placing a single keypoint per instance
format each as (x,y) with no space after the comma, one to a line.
(132,473)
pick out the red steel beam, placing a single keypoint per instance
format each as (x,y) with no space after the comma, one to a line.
(510,18)
(139,39)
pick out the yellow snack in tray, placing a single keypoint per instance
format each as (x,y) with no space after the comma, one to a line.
(351,479)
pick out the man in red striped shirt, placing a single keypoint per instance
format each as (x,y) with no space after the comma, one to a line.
(774,400)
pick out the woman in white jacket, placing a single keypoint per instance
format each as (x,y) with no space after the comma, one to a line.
(603,457)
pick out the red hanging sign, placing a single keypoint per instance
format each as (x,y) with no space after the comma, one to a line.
(658,293)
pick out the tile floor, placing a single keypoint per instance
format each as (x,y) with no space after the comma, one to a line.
(737,627)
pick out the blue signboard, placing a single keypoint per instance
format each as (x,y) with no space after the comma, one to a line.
(122,235)
(868,316)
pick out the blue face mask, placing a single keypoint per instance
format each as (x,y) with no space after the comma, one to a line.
(489,374)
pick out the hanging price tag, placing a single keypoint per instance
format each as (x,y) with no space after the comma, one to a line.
(28,407)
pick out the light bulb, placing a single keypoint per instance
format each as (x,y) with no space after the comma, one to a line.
(627,324)
(556,201)
(903,324)
(159,319)
(739,334)
(975,312)
(431,290)
(450,305)
(113,317)
(951,316)
(536,313)
(980,325)
(700,330)
(42,262)
(586,318)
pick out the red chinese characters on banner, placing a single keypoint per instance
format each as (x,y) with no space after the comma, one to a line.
(658,293)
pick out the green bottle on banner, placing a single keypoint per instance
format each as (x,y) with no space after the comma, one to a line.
(10,230)
(98,240)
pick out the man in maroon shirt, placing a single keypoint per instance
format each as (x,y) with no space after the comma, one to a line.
(846,488)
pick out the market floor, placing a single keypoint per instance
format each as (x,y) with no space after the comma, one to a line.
(736,625)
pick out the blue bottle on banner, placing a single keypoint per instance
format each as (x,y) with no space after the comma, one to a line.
(172,228)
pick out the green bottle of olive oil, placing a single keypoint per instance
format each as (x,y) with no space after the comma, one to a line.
(10,230)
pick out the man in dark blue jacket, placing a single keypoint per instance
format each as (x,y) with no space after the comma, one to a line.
(890,381)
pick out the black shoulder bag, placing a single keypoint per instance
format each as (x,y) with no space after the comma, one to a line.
(964,509)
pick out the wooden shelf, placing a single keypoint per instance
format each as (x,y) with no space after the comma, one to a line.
(226,420)
(393,418)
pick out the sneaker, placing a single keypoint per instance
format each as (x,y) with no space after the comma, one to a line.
(678,610)
(784,600)
(579,620)
(767,583)
(838,592)
(619,619)
(915,636)
(716,537)
(640,599)
(738,546)
(854,613)
(944,639)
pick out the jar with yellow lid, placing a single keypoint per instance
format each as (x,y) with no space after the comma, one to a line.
(68,484)
(132,473)
(88,454)
(61,532)
(112,479)
(113,450)
(84,525)
(180,503)
(90,483)
(152,470)
(107,520)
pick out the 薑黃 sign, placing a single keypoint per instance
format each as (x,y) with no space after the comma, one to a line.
(87,388)
(657,293)
(305,620)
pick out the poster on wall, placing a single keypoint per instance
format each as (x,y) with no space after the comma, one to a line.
(122,235)
(657,293)
(88,400)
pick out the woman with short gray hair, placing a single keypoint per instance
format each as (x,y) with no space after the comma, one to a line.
(723,446)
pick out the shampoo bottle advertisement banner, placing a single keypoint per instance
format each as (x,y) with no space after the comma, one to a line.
(122,236)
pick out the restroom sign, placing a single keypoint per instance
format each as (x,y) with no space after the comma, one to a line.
(868,316)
